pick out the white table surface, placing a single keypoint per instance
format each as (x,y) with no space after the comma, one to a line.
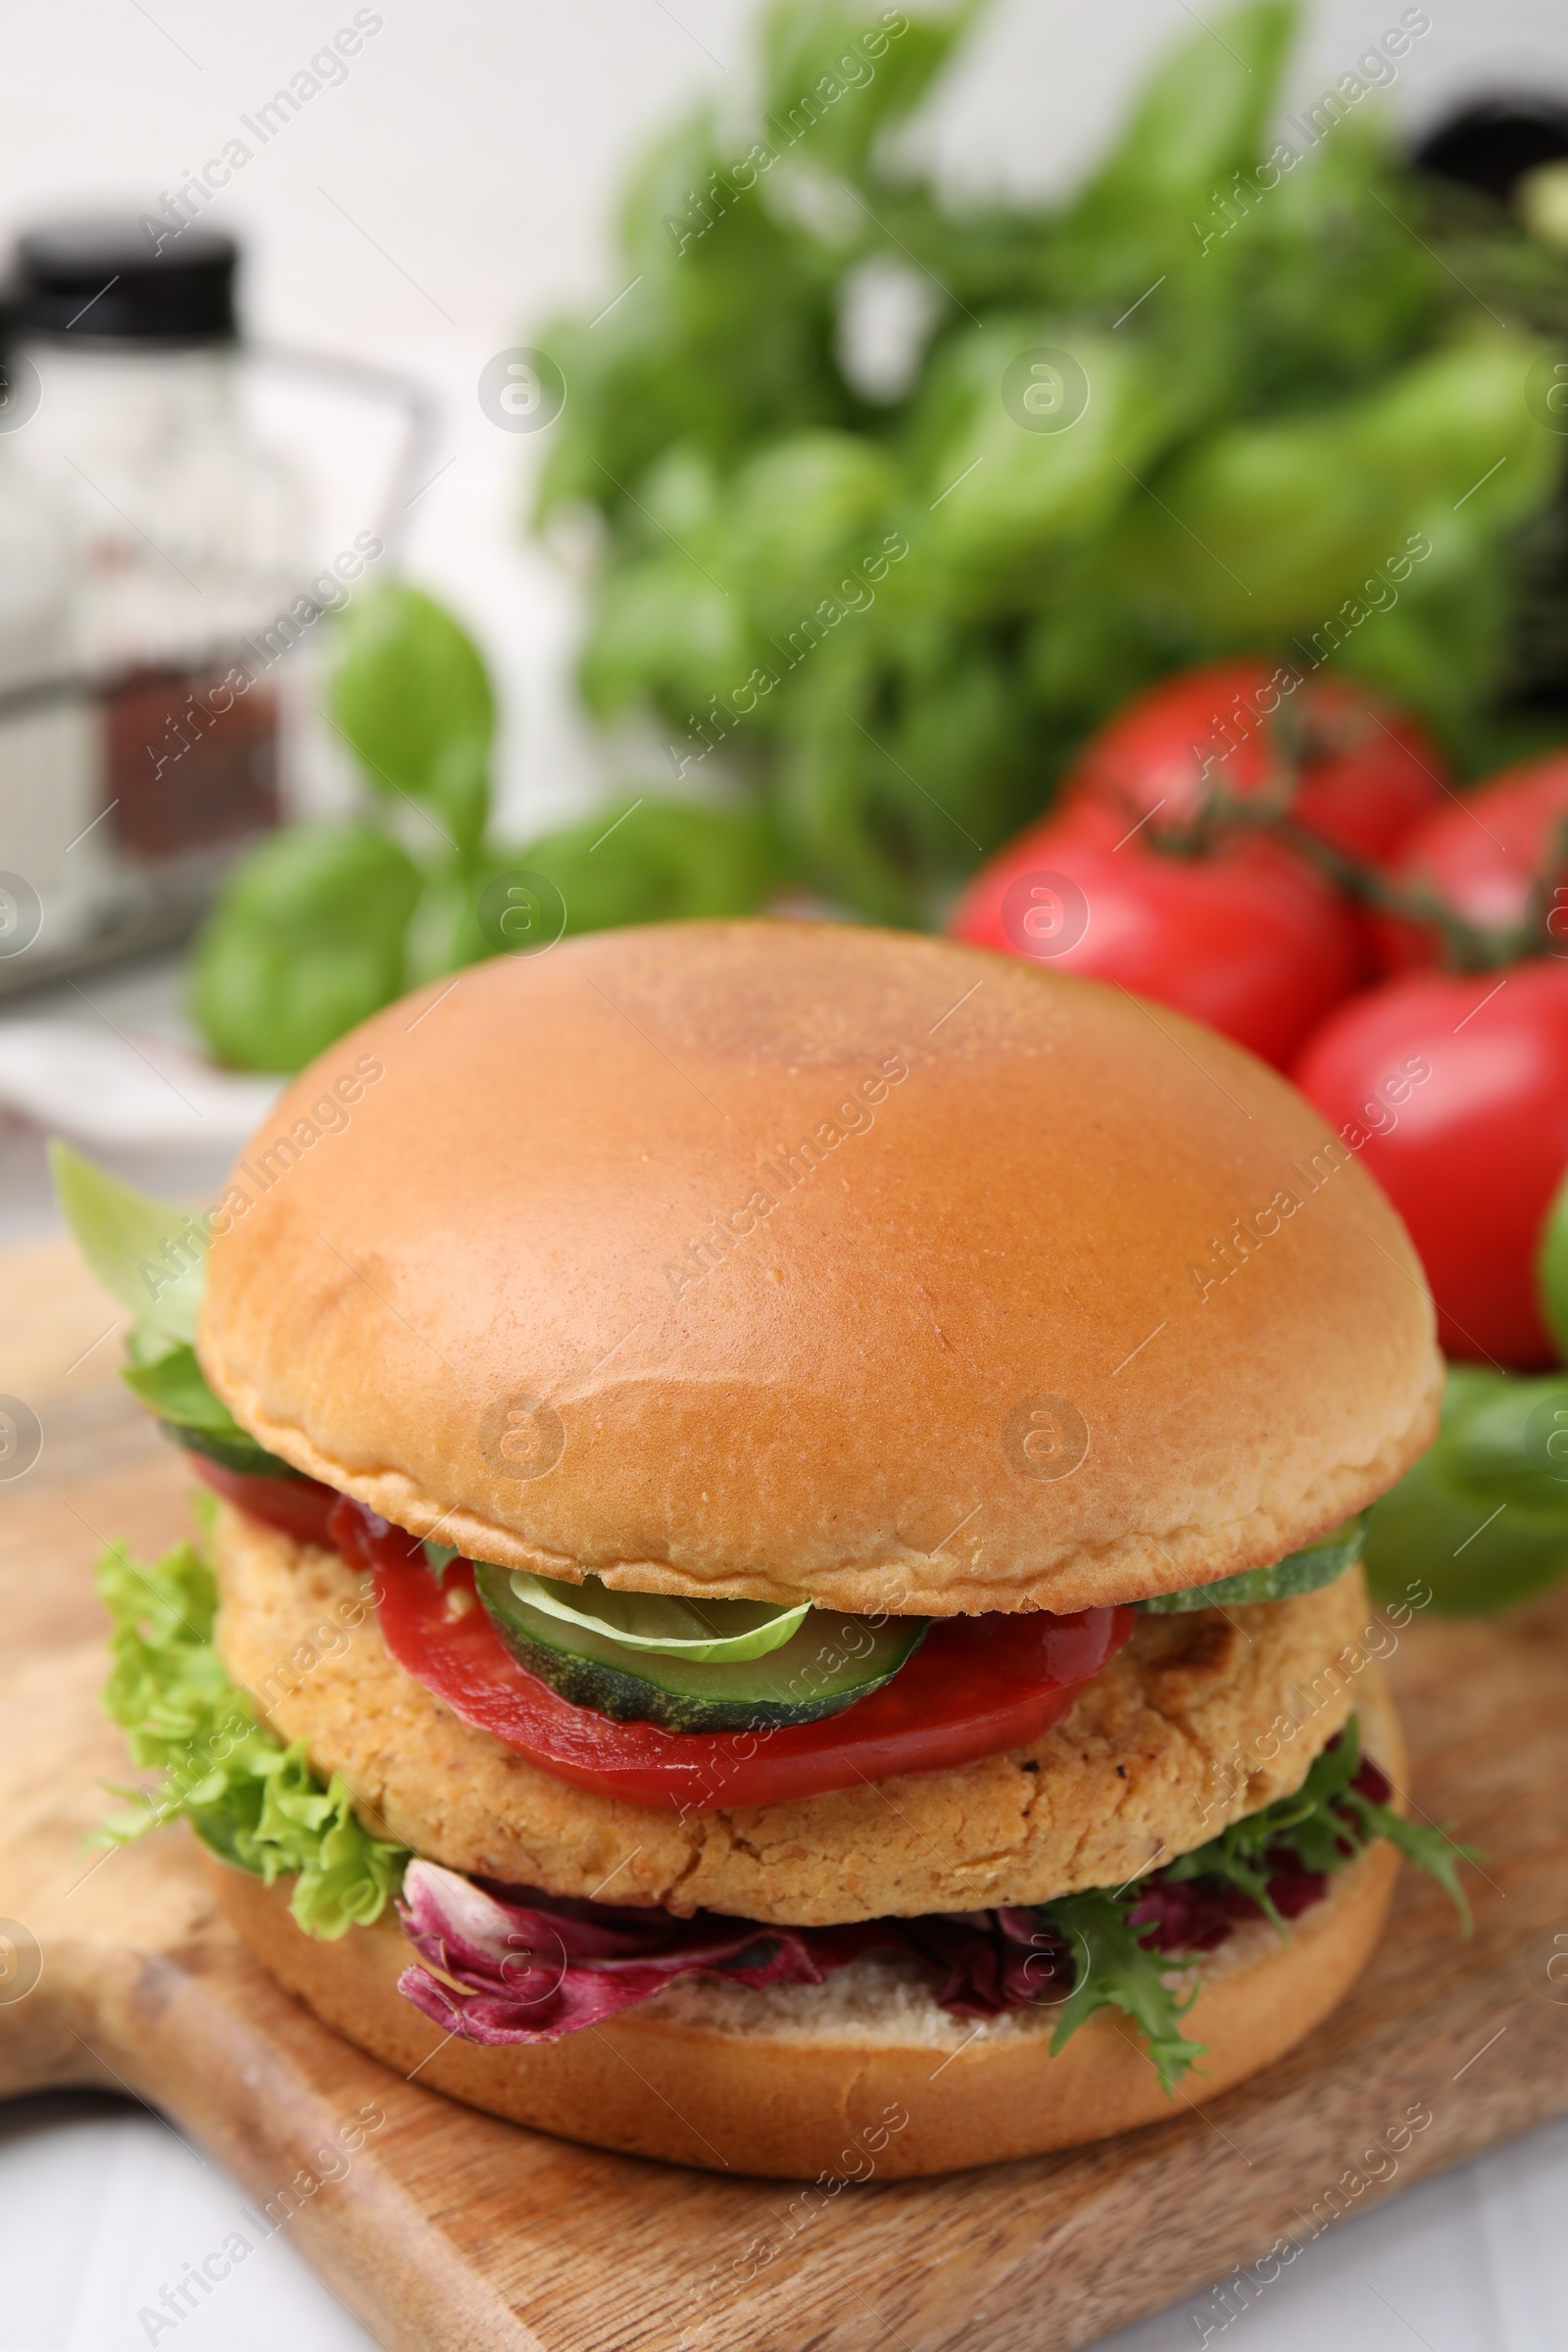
(477,143)
(103,2206)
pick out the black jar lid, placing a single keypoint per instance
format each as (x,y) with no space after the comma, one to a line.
(1492,142)
(125,280)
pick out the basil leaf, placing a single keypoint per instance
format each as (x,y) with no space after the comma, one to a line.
(660,860)
(413,698)
(1551,1271)
(1480,1521)
(813,47)
(667,1625)
(150,1255)
(1300,1570)
(307,940)
(1199,119)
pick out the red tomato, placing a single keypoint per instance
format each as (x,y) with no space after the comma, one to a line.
(1472,1154)
(1244,935)
(299,1507)
(975,1685)
(1497,859)
(1349,768)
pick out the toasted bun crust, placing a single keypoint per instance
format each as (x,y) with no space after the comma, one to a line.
(804,1260)
(1201,1718)
(886,2086)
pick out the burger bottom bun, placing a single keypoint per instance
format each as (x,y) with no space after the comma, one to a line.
(862,2077)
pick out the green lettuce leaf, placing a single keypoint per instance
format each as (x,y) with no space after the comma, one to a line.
(150,1255)
(247,1797)
(175,1389)
(707,1633)
(170,1383)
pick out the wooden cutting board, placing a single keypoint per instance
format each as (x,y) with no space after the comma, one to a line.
(441,2228)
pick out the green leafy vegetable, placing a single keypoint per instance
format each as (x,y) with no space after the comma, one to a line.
(1303,1571)
(1200,120)
(1327,1824)
(1552,1279)
(649,860)
(868,587)
(306,938)
(1482,1519)
(248,1798)
(323,925)
(1287,390)
(150,1255)
(412,696)
(257,1803)
(1311,1825)
(176,1390)
(1116,1969)
(172,1386)
(706,1633)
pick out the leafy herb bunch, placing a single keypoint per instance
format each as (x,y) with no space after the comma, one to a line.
(1188,411)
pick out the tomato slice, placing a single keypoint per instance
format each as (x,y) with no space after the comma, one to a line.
(975,1685)
(298,1506)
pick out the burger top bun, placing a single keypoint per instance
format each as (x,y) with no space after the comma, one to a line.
(804,1260)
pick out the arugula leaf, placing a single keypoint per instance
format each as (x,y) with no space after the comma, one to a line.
(150,1255)
(1425,1844)
(252,1800)
(1327,1824)
(1116,1969)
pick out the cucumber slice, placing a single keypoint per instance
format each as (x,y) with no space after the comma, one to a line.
(240,1452)
(1301,1571)
(710,1633)
(824,1666)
